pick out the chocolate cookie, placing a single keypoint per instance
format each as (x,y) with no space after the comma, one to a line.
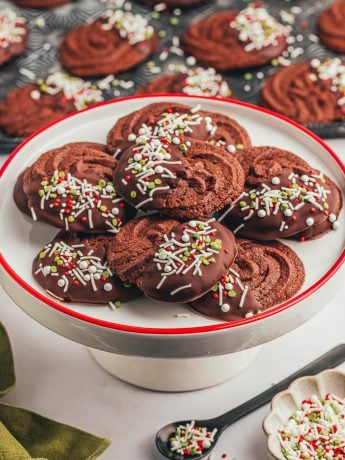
(13,35)
(308,92)
(40,3)
(164,119)
(117,41)
(230,40)
(170,261)
(73,267)
(284,197)
(71,188)
(196,81)
(29,108)
(262,275)
(331,26)
(182,179)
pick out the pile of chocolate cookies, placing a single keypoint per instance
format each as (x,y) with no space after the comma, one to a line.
(177,206)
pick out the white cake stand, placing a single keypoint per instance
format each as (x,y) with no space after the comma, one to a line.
(156,345)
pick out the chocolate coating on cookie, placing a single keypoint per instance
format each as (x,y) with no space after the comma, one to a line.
(71,188)
(229,40)
(179,179)
(13,32)
(173,262)
(284,197)
(40,3)
(196,81)
(115,42)
(308,92)
(165,118)
(262,275)
(331,26)
(28,108)
(73,268)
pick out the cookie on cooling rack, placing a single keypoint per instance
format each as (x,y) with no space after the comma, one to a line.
(13,35)
(331,26)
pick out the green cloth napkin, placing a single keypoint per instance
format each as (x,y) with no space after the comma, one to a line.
(25,435)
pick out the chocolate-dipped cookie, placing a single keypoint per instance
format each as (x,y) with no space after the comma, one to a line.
(177,178)
(73,268)
(197,81)
(284,197)
(117,41)
(40,3)
(30,107)
(13,35)
(171,261)
(230,40)
(164,119)
(308,92)
(331,26)
(262,275)
(71,187)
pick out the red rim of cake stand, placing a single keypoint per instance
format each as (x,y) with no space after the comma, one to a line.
(181,330)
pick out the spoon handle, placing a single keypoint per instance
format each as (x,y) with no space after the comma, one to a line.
(329,360)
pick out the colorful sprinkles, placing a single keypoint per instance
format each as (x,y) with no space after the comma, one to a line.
(316,431)
(268,200)
(197,247)
(257,28)
(72,267)
(191,440)
(12,28)
(131,27)
(226,288)
(75,199)
(80,92)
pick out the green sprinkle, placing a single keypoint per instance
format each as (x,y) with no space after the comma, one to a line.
(117,304)
(53,269)
(248,76)
(242,204)
(151,185)
(231,294)
(130,160)
(61,174)
(133,194)
(70,219)
(174,21)
(158,181)
(41,193)
(59,262)
(326,205)
(162,33)
(114,222)
(42,255)
(103,208)
(155,15)
(102,183)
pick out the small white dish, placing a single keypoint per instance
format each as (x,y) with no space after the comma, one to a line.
(284,404)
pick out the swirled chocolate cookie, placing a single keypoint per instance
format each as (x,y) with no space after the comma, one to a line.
(171,261)
(13,35)
(73,268)
(29,108)
(164,119)
(177,178)
(284,197)
(196,81)
(71,187)
(117,41)
(331,26)
(229,40)
(308,92)
(40,3)
(262,275)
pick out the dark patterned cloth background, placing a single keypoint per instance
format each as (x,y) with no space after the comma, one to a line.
(47,28)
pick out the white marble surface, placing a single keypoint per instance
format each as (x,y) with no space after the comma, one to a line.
(59,379)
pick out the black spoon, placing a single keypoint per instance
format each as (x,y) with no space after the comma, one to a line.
(331,359)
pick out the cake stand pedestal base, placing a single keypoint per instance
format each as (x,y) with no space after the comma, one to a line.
(170,374)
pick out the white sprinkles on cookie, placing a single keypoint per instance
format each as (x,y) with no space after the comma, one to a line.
(205,82)
(257,28)
(12,28)
(131,27)
(333,70)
